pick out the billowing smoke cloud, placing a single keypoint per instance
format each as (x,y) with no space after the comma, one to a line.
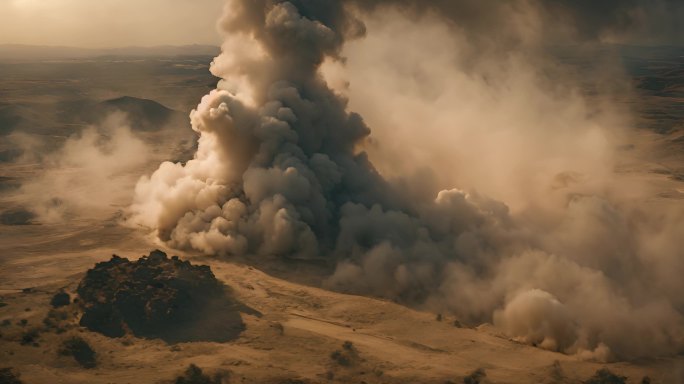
(281,171)
(85,178)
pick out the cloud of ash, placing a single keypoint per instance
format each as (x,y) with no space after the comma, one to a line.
(543,238)
(87,176)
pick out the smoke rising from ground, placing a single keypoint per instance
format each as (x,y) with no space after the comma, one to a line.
(87,175)
(543,238)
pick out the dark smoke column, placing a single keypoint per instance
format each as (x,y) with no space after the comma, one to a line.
(277,158)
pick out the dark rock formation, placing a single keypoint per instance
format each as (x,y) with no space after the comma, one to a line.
(143,114)
(80,350)
(604,376)
(157,297)
(194,375)
(60,299)
(8,376)
(475,377)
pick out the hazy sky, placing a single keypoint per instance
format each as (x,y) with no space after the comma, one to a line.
(114,23)
(109,23)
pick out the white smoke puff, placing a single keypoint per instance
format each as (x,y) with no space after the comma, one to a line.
(536,317)
(601,312)
(217,230)
(89,174)
(174,190)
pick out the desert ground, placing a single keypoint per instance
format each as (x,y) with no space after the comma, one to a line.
(292,327)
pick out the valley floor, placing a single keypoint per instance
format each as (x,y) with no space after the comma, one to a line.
(291,332)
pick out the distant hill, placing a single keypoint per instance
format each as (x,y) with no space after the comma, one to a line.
(142,114)
(13,117)
(9,119)
(21,53)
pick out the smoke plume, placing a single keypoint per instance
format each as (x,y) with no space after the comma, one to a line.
(88,175)
(573,262)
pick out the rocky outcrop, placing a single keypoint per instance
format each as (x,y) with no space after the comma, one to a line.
(80,350)
(157,297)
(60,299)
(9,376)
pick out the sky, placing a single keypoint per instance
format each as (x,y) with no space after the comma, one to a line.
(109,23)
(118,23)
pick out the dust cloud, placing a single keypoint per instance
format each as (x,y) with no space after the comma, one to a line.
(487,187)
(86,177)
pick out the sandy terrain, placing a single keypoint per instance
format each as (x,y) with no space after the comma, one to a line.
(290,334)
